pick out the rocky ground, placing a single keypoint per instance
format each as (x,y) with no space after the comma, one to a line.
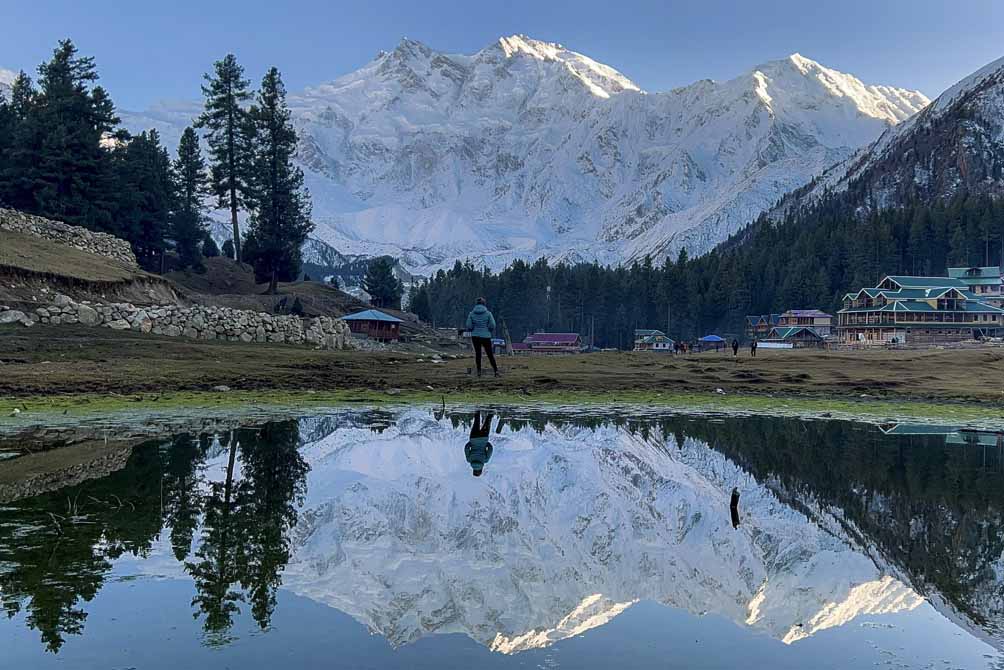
(50,360)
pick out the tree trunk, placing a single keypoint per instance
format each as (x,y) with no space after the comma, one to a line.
(233,220)
(273,285)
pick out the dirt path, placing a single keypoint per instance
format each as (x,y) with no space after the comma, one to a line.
(64,360)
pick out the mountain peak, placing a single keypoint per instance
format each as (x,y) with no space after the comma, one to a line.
(409,48)
(805,82)
(522,44)
(601,80)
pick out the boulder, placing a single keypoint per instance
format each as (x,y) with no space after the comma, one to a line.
(172,331)
(118,324)
(12,316)
(88,316)
(61,300)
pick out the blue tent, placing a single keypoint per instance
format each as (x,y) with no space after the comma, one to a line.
(711,341)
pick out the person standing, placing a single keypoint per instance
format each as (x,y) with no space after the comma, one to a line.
(735,348)
(753,346)
(481,325)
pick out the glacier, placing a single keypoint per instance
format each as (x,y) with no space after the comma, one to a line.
(527,149)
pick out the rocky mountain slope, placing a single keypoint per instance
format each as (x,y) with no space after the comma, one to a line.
(527,149)
(954,145)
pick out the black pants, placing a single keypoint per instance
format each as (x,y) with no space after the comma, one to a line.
(486,344)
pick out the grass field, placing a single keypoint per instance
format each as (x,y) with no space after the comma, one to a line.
(37,256)
(48,361)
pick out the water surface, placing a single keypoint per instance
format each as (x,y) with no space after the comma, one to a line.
(363,539)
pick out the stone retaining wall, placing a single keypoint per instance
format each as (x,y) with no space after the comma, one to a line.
(197,322)
(101,244)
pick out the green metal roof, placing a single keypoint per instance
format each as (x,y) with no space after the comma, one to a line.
(916,429)
(786,332)
(992,272)
(925,282)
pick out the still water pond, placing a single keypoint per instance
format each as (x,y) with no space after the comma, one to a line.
(361,539)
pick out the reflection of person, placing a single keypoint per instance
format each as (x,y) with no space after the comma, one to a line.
(478,449)
(734,507)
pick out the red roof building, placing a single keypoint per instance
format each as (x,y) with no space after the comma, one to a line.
(554,343)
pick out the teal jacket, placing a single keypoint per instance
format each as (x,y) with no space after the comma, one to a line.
(480,322)
(478,452)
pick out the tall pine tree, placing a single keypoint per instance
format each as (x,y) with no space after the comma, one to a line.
(57,166)
(226,123)
(280,205)
(190,184)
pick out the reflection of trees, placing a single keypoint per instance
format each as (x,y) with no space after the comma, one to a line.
(57,549)
(245,540)
(65,542)
(935,510)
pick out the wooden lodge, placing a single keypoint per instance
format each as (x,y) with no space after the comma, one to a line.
(917,310)
(983,282)
(375,324)
(763,326)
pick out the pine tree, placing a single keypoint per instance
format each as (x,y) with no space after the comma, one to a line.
(147,197)
(279,203)
(57,166)
(384,288)
(190,184)
(209,248)
(225,121)
(418,302)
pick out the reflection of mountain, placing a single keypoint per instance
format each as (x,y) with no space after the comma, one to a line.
(566,529)
(928,502)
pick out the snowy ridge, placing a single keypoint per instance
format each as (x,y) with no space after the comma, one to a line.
(987,106)
(564,531)
(528,149)
(7,78)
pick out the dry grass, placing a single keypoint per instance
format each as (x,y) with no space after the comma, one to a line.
(62,359)
(29,254)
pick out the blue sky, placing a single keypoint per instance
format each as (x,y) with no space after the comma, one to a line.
(151,51)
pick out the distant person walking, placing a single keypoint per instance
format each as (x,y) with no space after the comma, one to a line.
(753,346)
(481,325)
(735,347)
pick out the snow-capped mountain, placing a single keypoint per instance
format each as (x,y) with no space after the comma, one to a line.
(565,530)
(954,144)
(527,149)
(6,81)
